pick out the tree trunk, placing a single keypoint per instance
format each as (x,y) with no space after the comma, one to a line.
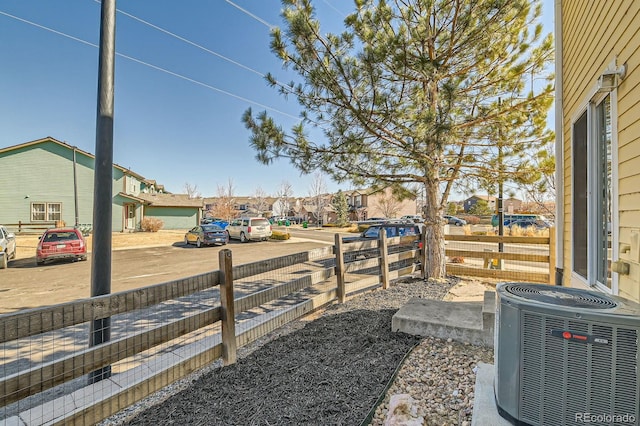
(434,260)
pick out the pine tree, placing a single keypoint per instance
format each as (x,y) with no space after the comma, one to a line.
(412,92)
(341,207)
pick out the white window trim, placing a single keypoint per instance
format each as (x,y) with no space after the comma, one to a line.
(589,105)
(46,211)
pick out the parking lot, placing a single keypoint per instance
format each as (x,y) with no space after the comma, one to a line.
(24,285)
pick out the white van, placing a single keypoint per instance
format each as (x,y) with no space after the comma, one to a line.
(249,228)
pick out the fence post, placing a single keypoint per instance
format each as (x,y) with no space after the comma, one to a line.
(423,253)
(552,255)
(19,226)
(384,259)
(227,308)
(340,290)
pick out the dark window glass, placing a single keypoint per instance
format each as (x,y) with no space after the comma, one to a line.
(579,193)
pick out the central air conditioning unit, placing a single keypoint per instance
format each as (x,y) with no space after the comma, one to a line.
(566,356)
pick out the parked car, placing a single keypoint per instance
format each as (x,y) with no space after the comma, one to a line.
(206,235)
(214,221)
(7,247)
(413,218)
(538,224)
(453,220)
(61,243)
(249,228)
(508,218)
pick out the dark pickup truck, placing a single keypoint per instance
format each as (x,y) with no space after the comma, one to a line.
(392,230)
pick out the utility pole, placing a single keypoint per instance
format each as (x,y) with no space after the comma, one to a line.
(500,189)
(103,179)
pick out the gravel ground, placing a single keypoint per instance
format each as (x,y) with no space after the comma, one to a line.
(339,366)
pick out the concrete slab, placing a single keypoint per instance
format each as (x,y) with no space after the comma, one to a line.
(460,321)
(485,412)
(467,291)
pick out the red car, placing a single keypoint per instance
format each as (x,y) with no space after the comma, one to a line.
(61,243)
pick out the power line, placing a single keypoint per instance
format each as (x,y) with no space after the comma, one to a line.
(336,10)
(131,58)
(192,43)
(257,18)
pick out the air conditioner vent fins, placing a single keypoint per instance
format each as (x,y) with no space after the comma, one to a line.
(561,296)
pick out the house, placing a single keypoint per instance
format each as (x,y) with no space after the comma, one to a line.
(367,203)
(511,205)
(470,202)
(48,182)
(598,146)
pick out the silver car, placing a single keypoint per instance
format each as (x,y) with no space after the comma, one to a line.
(249,228)
(7,247)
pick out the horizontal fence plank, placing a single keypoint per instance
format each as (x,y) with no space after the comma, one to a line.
(262,266)
(498,274)
(291,314)
(29,382)
(35,321)
(358,265)
(321,253)
(264,296)
(407,270)
(403,255)
(368,283)
(497,239)
(359,245)
(103,405)
(488,255)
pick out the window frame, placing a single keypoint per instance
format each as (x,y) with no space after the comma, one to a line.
(46,211)
(590,106)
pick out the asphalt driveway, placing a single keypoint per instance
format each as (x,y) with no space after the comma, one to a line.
(24,285)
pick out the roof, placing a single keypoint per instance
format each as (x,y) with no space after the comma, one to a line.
(169,200)
(70,147)
(483,197)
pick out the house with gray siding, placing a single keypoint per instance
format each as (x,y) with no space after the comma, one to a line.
(47,182)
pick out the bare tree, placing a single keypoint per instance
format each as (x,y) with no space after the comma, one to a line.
(317,193)
(388,205)
(192,190)
(260,202)
(224,206)
(285,192)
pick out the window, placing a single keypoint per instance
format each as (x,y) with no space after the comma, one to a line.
(46,212)
(592,192)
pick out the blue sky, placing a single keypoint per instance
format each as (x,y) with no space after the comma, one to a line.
(166,128)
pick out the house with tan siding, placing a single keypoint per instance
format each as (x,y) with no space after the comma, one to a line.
(598,145)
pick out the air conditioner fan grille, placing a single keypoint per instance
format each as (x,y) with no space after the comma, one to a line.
(561,296)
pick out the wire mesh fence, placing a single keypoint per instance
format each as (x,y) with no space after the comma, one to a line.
(160,333)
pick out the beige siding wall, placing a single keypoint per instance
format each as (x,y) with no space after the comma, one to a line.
(594,34)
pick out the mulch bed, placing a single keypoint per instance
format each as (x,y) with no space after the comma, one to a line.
(332,371)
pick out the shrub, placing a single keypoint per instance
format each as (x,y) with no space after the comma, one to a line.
(279,235)
(471,220)
(151,224)
(457,259)
(361,228)
(466,229)
(529,231)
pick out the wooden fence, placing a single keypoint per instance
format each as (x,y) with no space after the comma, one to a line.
(214,331)
(493,259)
(322,276)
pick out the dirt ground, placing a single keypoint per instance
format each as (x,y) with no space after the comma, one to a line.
(26,244)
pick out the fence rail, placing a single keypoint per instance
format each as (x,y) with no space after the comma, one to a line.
(493,265)
(166,331)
